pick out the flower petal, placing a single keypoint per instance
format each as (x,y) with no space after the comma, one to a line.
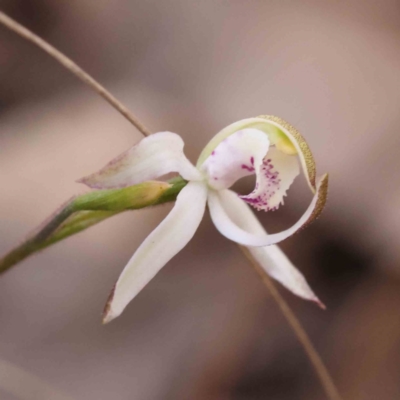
(152,157)
(239,155)
(281,134)
(271,258)
(274,177)
(170,237)
(229,229)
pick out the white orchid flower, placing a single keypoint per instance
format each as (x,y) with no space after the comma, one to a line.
(265,146)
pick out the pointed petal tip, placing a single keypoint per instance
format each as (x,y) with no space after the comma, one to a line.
(108,313)
(309,296)
(319,303)
(87,180)
(107,318)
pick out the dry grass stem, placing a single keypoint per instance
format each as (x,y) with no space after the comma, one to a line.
(74,68)
(315,359)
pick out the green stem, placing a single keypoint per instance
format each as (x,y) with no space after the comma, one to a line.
(86,210)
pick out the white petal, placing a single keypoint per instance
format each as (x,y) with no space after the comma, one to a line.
(274,178)
(271,258)
(281,134)
(152,157)
(239,155)
(170,237)
(228,228)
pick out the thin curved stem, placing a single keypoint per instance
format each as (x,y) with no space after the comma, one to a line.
(315,359)
(302,336)
(74,68)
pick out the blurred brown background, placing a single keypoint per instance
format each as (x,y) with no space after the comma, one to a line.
(205,328)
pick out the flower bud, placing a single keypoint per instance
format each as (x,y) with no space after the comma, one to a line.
(130,198)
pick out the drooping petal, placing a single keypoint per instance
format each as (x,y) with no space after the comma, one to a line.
(274,177)
(281,134)
(152,157)
(239,155)
(170,237)
(232,231)
(271,258)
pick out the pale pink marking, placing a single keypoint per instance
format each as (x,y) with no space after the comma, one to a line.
(260,201)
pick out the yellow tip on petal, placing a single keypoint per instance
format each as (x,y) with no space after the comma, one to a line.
(297,141)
